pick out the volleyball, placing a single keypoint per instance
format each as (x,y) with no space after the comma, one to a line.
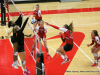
(33,21)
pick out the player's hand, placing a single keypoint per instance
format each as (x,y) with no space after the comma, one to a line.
(60,33)
(88,45)
(20,12)
(47,23)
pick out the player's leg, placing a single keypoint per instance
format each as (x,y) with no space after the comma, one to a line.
(92,50)
(15,56)
(33,46)
(46,48)
(60,51)
(96,56)
(21,52)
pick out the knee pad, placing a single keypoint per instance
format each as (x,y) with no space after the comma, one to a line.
(16,53)
(23,62)
(95,55)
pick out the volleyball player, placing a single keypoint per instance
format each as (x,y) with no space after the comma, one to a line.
(96,48)
(0,5)
(14,40)
(41,32)
(20,42)
(37,14)
(68,30)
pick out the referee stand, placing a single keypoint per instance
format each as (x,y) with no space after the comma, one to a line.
(40,61)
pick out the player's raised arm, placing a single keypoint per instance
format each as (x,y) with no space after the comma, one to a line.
(56,27)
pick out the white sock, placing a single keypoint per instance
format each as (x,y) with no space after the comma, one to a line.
(14,62)
(66,56)
(62,56)
(95,61)
(25,70)
(47,53)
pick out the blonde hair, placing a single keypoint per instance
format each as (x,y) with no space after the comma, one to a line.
(11,30)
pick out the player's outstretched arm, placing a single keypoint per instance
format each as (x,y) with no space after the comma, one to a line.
(56,27)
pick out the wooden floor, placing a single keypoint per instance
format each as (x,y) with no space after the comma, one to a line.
(83,22)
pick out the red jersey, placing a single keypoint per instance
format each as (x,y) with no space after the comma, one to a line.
(68,37)
(41,31)
(36,13)
(95,40)
(67,34)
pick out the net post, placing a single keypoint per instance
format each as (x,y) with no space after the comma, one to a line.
(3,15)
(39,45)
(40,61)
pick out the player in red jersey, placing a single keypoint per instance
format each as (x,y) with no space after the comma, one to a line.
(68,30)
(95,49)
(37,14)
(41,32)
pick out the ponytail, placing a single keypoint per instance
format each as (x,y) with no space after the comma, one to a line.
(70,27)
(96,32)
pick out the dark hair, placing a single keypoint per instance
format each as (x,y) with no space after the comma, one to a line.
(9,24)
(70,27)
(37,5)
(96,32)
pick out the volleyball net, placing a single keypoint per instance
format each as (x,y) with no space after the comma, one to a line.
(4,8)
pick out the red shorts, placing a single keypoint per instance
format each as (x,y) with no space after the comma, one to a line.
(98,45)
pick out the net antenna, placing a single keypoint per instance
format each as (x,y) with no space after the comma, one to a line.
(39,45)
(7,9)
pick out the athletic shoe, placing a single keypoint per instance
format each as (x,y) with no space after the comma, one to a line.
(27,70)
(17,63)
(98,58)
(95,65)
(13,65)
(65,60)
(48,56)
(26,73)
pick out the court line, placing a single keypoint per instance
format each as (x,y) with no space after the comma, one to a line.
(30,52)
(52,48)
(85,54)
(81,50)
